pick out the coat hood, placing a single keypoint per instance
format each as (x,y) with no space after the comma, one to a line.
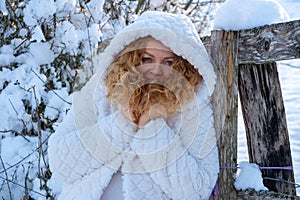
(175,31)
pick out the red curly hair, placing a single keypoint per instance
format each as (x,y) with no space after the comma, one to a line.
(127,87)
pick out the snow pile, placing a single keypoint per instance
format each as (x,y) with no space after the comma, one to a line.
(249,177)
(237,15)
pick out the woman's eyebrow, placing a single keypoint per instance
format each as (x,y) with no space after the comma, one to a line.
(149,54)
(169,57)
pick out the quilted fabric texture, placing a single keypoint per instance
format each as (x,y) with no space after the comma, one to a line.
(167,159)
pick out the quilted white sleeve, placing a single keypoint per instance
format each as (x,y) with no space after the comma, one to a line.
(89,187)
(68,158)
(63,149)
(193,179)
(72,164)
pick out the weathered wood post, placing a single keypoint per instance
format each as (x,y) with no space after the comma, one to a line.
(223,51)
(265,124)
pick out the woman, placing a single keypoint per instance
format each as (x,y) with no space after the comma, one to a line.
(142,127)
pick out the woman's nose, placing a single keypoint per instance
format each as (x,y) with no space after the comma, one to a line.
(156,69)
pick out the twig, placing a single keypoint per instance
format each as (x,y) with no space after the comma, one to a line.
(23,41)
(12,105)
(26,196)
(8,4)
(17,163)
(88,32)
(22,186)
(51,90)
(16,133)
(7,182)
(40,149)
(24,124)
(42,175)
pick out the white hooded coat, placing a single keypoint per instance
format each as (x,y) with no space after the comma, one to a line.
(176,158)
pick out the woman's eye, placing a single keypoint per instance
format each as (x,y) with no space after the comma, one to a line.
(147,60)
(169,62)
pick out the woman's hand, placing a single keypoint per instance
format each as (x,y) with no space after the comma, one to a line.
(145,117)
(127,112)
(155,111)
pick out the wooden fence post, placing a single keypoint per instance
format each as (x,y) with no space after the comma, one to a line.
(265,124)
(223,51)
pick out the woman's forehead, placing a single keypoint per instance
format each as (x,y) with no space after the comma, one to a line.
(155,44)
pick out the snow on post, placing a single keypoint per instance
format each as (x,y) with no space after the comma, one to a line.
(249,177)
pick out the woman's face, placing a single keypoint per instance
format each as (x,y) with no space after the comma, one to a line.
(156,61)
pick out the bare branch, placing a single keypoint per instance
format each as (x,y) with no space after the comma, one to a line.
(6,175)
(15,183)
(16,133)
(40,149)
(51,90)
(26,195)
(12,105)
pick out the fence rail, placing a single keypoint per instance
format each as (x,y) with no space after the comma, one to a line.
(267,43)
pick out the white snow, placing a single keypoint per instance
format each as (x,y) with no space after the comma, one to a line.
(3,7)
(156,3)
(40,53)
(14,150)
(71,37)
(38,34)
(45,10)
(237,15)
(249,177)
(6,55)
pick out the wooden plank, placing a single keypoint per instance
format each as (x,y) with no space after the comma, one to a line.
(224,53)
(270,43)
(267,43)
(265,124)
